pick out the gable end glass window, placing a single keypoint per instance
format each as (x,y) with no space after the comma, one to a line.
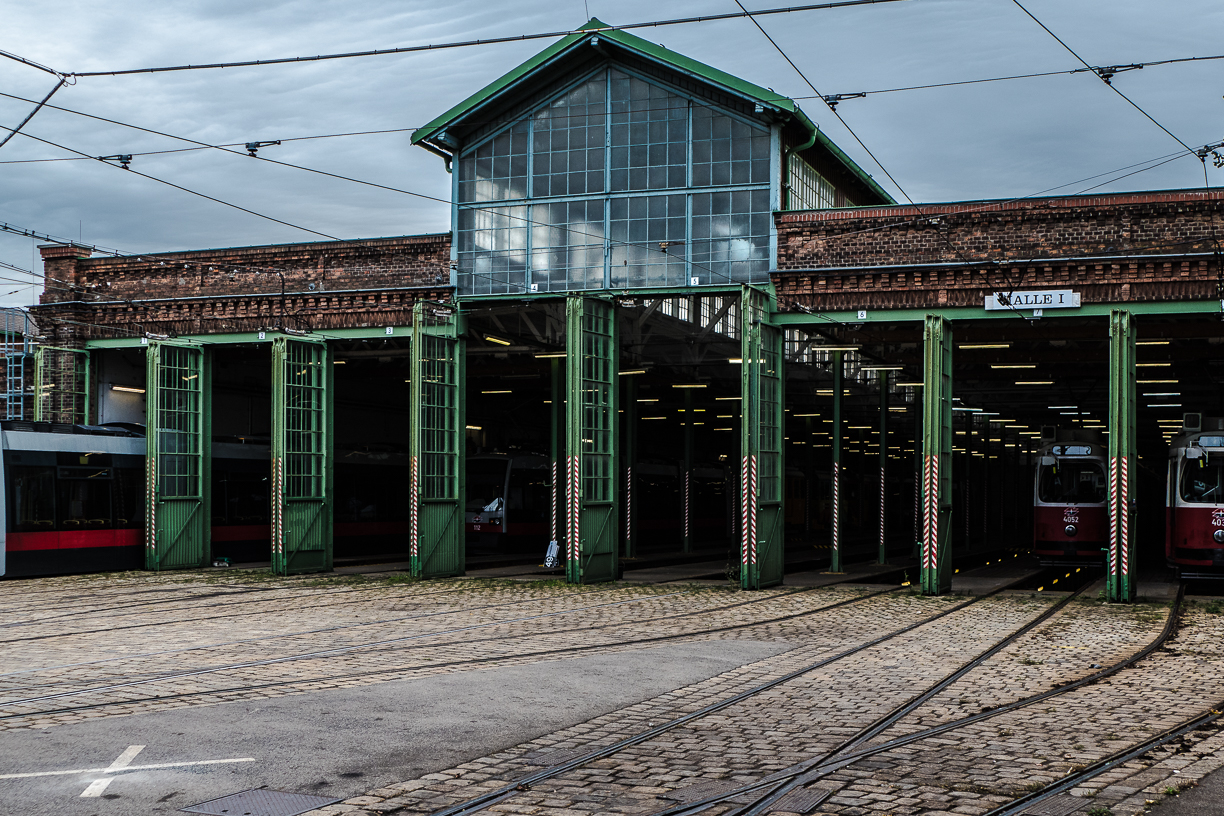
(615,182)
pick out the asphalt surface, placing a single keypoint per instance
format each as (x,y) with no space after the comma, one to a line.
(339,742)
(1207,799)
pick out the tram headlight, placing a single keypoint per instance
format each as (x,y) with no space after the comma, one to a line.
(1218,535)
(1070,530)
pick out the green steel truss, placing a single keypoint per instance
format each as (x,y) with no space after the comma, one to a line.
(762,540)
(301,456)
(937,456)
(61,385)
(437,443)
(591,441)
(1122,459)
(177,463)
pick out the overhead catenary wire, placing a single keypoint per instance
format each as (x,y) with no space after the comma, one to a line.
(548,35)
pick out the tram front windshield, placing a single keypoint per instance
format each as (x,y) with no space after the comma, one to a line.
(1072,481)
(1202,480)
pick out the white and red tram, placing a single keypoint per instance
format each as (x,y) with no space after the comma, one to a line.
(1070,497)
(1194,498)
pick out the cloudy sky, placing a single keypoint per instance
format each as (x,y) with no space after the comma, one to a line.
(1000,139)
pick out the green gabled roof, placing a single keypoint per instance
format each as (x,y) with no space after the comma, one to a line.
(678,62)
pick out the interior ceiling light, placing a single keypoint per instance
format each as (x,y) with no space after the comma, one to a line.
(550,355)
(1151,342)
(128,389)
(1165,405)
(1152,365)
(984,345)
(882,368)
(498,340)
(910,384)
(1034,382)
(1061,407)
(506,391)
(1163,394)
(688,385)
(474,428)
(835,348)
(725,398)
(1157,382)
(1017,365)
(648,400)
(631,371)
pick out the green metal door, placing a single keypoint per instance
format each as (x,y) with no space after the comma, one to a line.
(762,535)
(592,529)
(177,441)
(301,456)
(1121,580)
(936,456)
(437,444)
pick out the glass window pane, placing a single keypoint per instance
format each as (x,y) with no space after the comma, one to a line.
(648,243)
(492,250)
(569,140)
(652,123)
(497,169)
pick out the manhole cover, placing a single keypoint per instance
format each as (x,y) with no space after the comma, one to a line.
(261,802)
(1055,806)
(550,758)
(702,790)
(802,800)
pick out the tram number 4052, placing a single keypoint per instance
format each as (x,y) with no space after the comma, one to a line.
(1070,515)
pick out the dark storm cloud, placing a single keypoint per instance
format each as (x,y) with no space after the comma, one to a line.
(994,140)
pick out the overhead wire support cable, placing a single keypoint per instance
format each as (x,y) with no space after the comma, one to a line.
(1104,74)
(489,41)
(31,63)
(14,131)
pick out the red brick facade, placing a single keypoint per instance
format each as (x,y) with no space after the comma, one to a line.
(1111,248)
(326,285)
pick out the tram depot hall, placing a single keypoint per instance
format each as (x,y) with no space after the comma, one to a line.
(680,318)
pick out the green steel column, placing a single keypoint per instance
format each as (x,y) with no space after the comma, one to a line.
(835,563)
(1122,458)
(687,486)
(40,365)
(882,380)
(629,456)
(556,442)
(937,455)
(916,407)
(809,475)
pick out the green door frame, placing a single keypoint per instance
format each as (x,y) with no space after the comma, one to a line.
(178,455)
(937,456)
(1122,456)
(438,443)
(593,534)
(839,389)
(302,455)
(762,469)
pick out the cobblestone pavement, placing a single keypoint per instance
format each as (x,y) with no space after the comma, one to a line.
(74,649)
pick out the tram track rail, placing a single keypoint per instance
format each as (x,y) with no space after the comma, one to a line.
(147,624)
(496,796)
(544,653)
(774,786)
(301,633)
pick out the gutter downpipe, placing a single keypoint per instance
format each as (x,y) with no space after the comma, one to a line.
(786,154)
(448,157)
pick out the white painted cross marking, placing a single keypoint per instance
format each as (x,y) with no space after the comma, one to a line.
(97,786)
(123,762)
